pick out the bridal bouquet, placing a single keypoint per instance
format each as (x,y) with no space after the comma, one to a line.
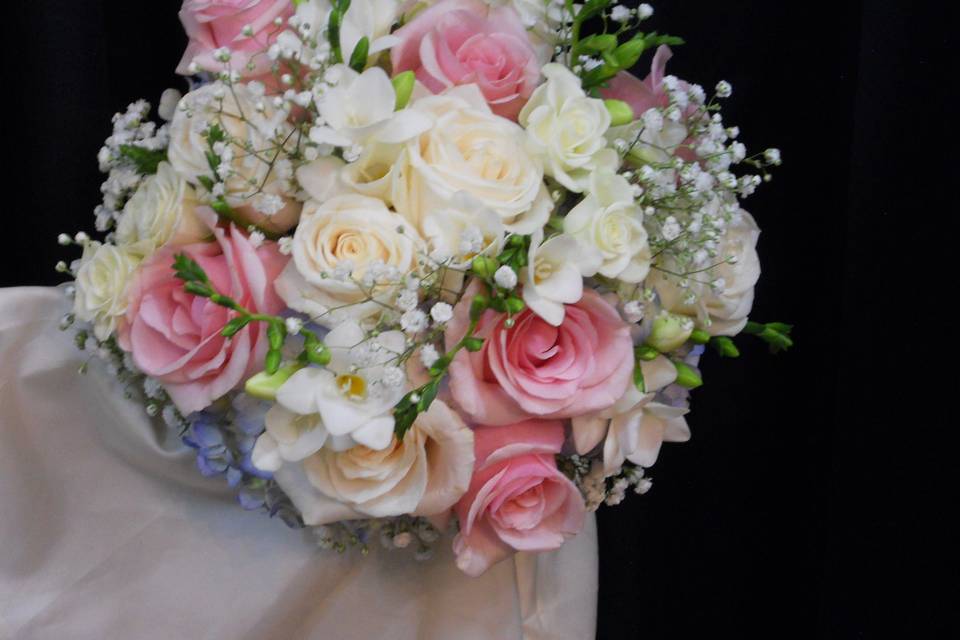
(397,269)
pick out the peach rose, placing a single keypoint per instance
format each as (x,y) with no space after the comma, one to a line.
(212,24)
(518,500)
(174,336)
(457,42)
(536,370)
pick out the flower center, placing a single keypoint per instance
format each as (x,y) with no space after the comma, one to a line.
(352,386)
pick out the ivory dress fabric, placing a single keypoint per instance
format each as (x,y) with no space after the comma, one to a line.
(107,530)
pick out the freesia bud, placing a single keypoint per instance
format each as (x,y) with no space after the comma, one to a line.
(669,332)
(403,87)
(264,386)
(620,112)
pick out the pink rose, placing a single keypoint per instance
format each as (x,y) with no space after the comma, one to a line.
(458,42)
(645,94)
(518,500)
(211,24)
(537,370)
(175,336)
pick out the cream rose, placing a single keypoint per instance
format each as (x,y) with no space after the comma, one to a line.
(252,178)
(609,221)
(424,474)
(469,149)
(336,246)
(566,129)
(102,279)
(161,212)
(723,310)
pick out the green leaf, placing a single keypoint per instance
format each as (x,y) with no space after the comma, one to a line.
(198,289)
(206,181)
(638,381)
(215,133)
(599,42)
(333,35)
(428,394)
(146,160)
(629,52)
(358,59)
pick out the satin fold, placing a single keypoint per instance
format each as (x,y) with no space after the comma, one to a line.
(107,530)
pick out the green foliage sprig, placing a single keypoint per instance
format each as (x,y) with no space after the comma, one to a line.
(197,283)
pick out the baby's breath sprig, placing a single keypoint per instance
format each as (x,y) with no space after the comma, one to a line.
(419,400)
(197,283)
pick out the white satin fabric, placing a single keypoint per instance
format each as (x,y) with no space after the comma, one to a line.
(107,530)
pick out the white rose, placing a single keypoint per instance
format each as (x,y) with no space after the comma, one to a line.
(345,404)
(721,312)
(470,149)
(566,129)
(102,279)
(554,274)
(161,212)
(360,108)
(609,220)
(356,234)
(251,175)
(634,428)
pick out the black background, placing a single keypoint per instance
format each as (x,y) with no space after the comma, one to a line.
(804,506)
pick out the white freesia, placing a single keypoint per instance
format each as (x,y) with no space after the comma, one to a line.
(345,231)
(554,274)
(609,220)
(370,175)
(162,211)
(654,145)
(360,109)
(339,406)
(566,129)
(371,19)
(722,310)
(634,428)
(248,174)
(101,286)
(473,150)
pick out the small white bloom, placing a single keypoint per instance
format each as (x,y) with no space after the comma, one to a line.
(408,299)
(505,277)
(343,270)
(724,89)
(633,311)
(428,355)
(653,120)
(413,321)
(285,245)
(772,156)
(256,239)
(441,312)
(620,13)
(294,325)
(644,11)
